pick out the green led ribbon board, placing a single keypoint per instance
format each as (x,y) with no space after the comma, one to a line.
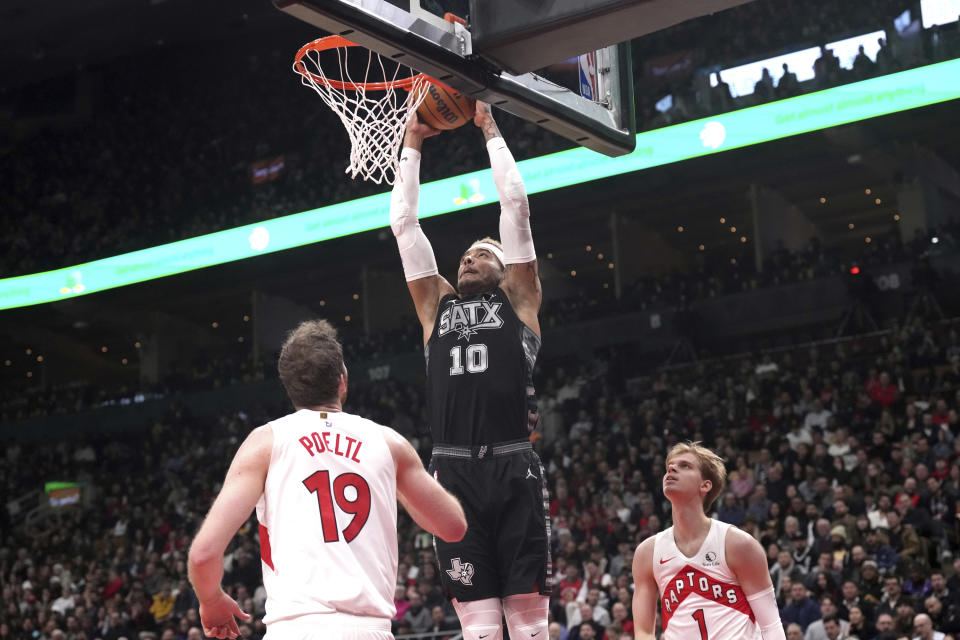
(829,108)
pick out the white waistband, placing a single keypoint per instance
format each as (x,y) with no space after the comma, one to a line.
(334,619)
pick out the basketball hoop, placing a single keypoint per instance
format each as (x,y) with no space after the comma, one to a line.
(374,112)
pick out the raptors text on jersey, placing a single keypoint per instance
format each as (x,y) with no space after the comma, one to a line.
(699,595)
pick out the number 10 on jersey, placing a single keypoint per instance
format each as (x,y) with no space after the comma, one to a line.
(474,362)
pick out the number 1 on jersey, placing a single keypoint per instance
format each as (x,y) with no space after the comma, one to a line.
(476,359)
(702,623)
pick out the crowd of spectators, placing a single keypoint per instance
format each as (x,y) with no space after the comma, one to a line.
(171,158)
(687,72)
(844,463)
(709,279)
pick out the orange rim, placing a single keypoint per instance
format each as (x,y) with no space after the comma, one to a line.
(337,42)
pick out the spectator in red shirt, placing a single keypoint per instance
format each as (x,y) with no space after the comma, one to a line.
(883,392)
(571,579)
(114,584)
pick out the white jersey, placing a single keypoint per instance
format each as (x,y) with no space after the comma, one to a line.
(699,596)
(328,520)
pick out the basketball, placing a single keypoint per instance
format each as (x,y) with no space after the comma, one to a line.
(445,109)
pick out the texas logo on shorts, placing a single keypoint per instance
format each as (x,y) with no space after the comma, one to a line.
(461,571)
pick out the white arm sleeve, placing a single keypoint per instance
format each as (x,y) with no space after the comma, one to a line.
(515,231)
(764,605)
(415,250)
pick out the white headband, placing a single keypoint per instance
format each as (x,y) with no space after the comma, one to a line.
(495,250)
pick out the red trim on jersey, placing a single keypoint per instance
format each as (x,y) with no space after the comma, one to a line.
(266,553)
(690,580)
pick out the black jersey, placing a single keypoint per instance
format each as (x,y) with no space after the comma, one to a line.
(480,361)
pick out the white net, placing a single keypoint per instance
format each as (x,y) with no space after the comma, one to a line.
(374,108)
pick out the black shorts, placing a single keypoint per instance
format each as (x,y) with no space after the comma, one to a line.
(506,550)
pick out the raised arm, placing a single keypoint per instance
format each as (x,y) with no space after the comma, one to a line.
(429,504)
(419,264)
(241,490)
(645,592)
(521,280)
(747,560)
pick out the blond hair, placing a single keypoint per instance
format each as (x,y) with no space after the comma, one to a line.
(712,468)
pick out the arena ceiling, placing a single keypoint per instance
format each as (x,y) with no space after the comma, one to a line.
(43,38)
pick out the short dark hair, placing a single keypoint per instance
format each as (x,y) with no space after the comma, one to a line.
(831,618)
(311,362)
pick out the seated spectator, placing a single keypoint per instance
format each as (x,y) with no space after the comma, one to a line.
(923,628)
(829,624)
(763,89)
(417,616)
(788,86)
(860,625)
(801,609)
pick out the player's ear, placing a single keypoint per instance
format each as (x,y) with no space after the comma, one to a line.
(706,486)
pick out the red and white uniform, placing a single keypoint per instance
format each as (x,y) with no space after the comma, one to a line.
(328,527)
(699,596)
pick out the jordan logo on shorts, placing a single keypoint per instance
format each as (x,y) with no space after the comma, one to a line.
(530,474)
(461,571)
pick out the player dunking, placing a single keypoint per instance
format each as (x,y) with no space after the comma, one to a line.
(712,578)
(325,484)
(481,342)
